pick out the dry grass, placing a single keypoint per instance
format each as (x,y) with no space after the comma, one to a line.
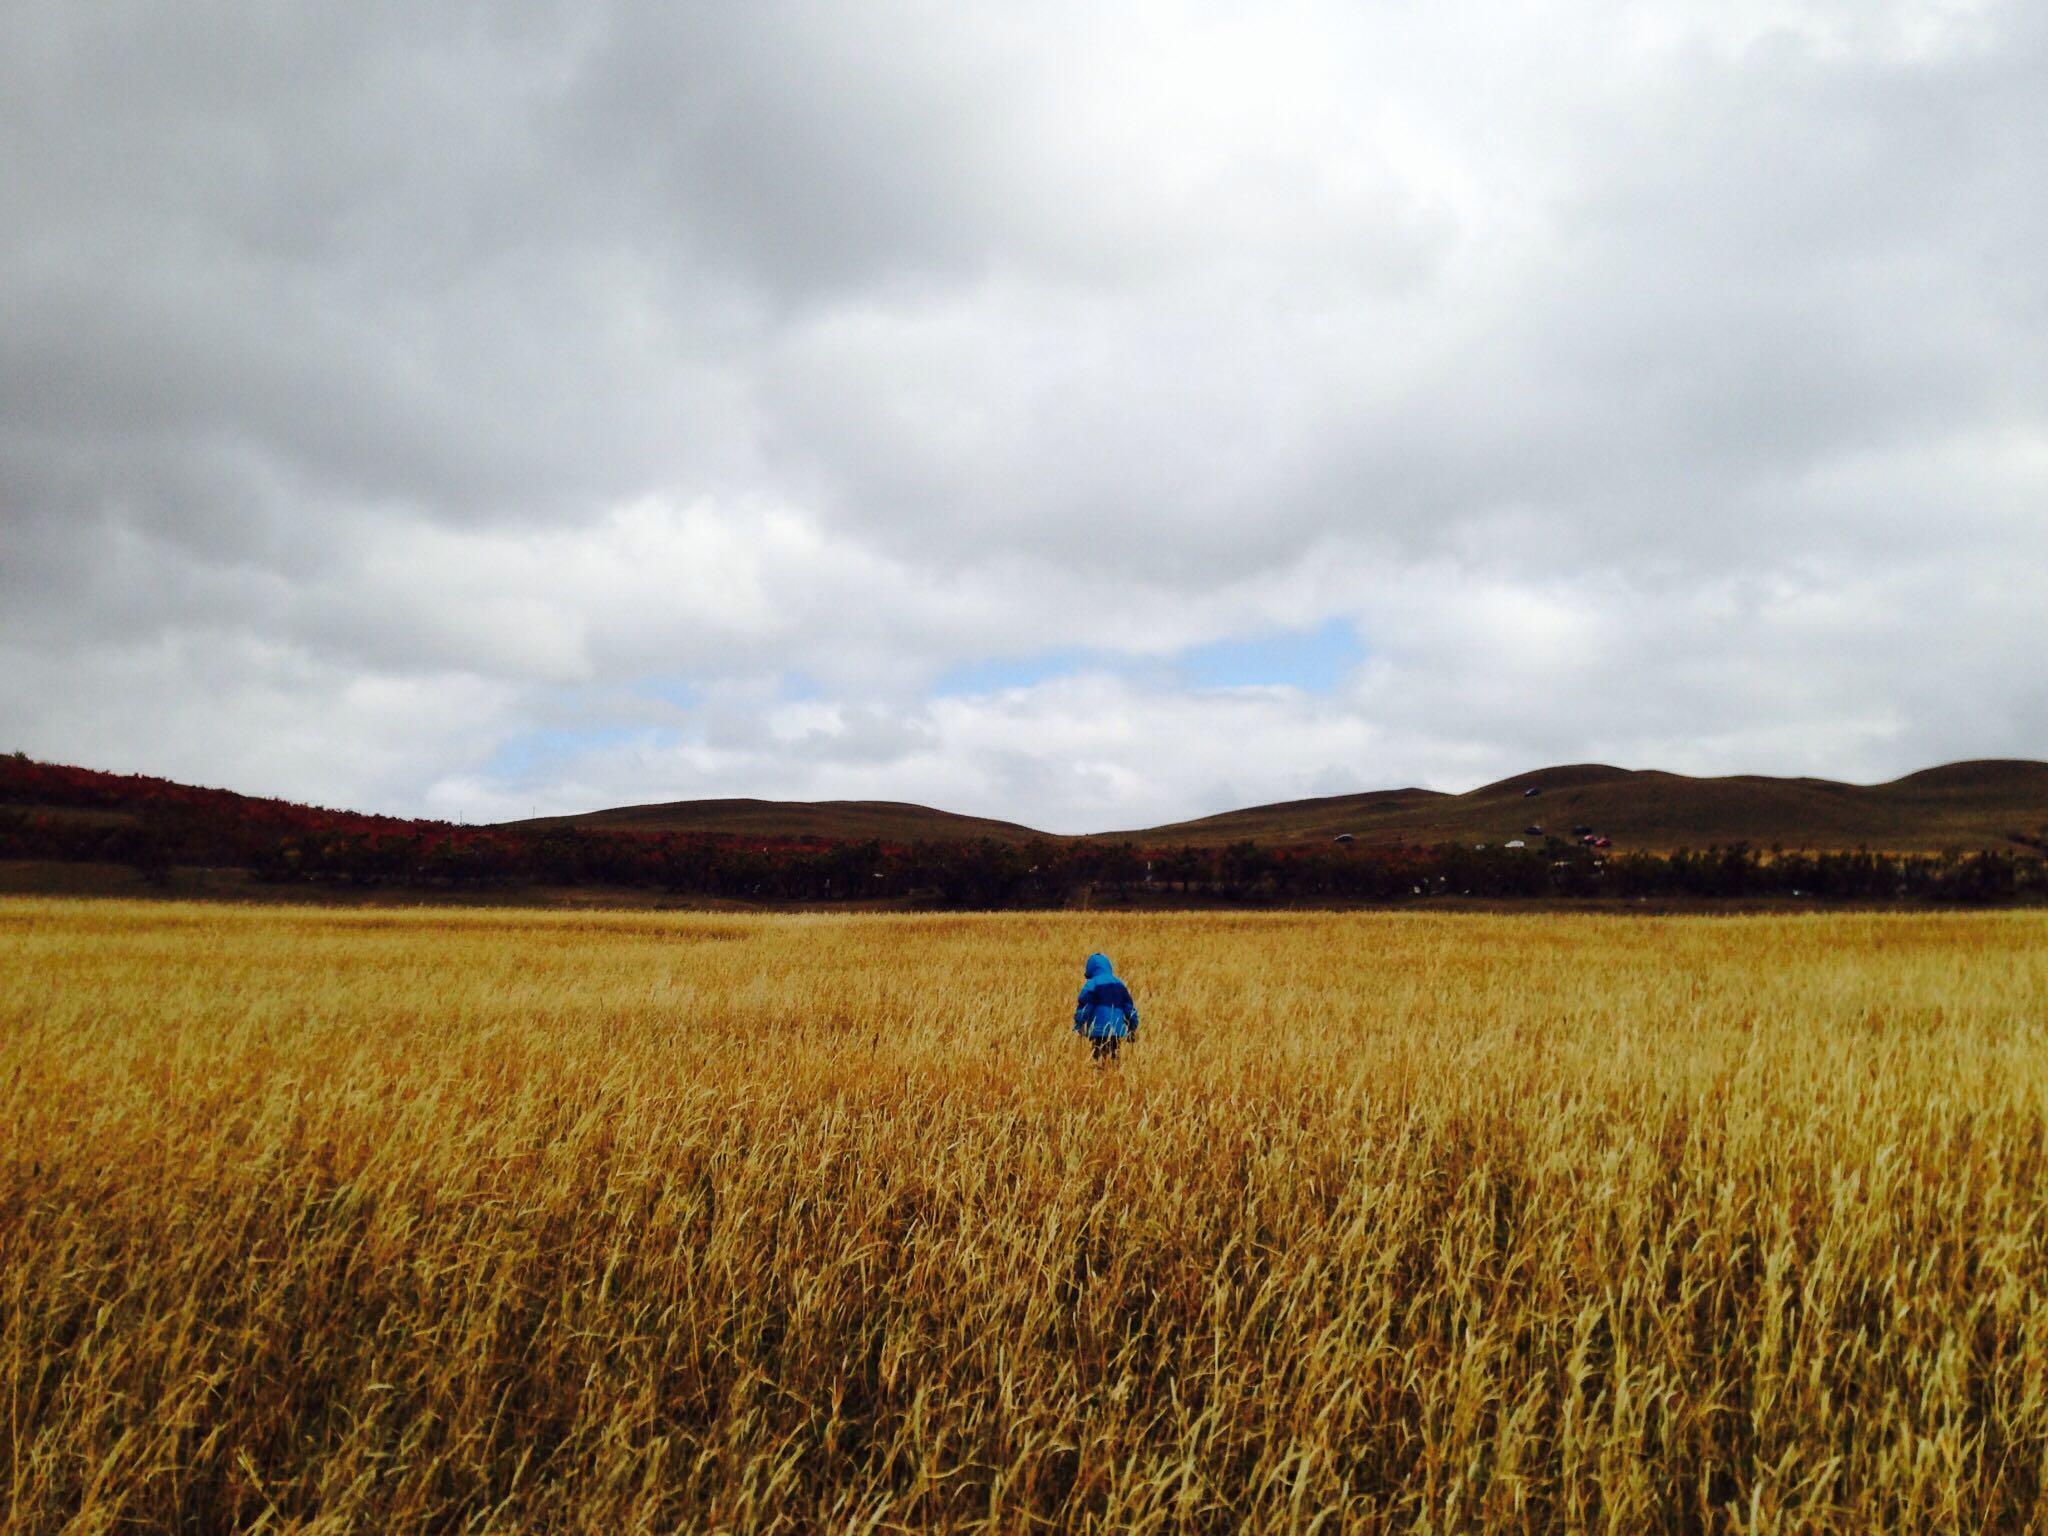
(381,1221)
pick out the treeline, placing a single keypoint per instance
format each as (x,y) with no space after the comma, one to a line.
(51,811)
(990,874)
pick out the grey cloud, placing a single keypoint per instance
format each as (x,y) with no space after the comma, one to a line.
(505,350)
(807,151)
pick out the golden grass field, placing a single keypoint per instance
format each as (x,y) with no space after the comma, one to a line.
(393,1221)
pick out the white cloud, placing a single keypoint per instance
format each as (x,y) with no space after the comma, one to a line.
(1662,382)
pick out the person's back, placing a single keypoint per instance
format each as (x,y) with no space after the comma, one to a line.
(1106,1013)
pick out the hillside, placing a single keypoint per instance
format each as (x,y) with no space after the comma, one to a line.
(1964,805)
(58,792)
(888,821)
(1970,805)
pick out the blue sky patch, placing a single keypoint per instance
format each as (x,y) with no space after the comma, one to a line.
(669,690)
(997,673)
(1313,660)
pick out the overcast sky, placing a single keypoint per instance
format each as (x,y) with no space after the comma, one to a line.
(1090,415)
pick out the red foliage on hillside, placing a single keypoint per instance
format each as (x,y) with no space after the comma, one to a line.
(58,786)
(54,811)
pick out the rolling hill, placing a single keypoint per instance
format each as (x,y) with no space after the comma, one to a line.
(888,821)
(1988,804)
(1963,805)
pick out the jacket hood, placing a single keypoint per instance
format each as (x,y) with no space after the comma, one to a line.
(1098,965)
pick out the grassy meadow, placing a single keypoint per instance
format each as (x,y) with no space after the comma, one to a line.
(390,1221)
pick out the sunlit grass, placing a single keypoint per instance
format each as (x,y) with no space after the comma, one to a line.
(387,1221)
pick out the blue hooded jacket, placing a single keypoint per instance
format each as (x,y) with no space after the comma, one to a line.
(1105,1011)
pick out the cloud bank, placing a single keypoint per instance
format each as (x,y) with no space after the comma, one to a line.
(468,410)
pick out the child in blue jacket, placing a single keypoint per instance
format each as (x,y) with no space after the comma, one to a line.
(1105,1013)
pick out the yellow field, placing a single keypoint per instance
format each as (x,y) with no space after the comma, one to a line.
(385,1221)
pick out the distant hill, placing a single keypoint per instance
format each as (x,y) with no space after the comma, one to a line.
(1989,804)
(60,792)
(1964,805)
(887,821)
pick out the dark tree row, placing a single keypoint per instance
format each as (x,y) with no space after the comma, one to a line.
(51,811)
(313,848)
